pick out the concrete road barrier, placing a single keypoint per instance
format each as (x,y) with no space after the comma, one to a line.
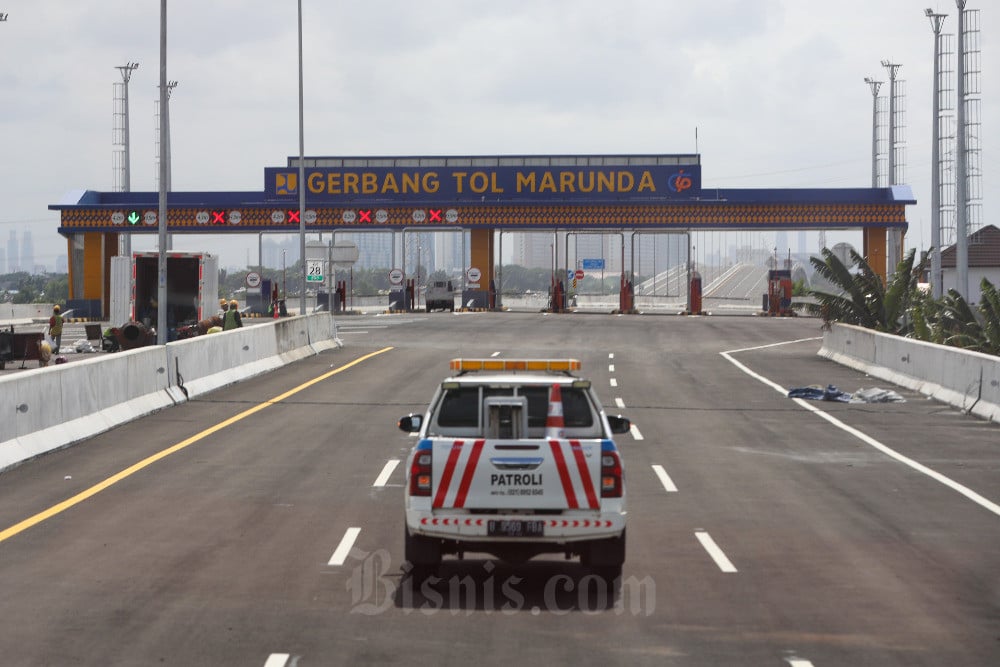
(55,406)
(967,380)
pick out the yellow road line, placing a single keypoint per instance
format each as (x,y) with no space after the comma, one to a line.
(150,460)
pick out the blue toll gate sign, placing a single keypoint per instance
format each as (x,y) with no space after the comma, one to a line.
(593,264)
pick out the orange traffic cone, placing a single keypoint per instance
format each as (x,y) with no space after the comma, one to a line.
(554,422)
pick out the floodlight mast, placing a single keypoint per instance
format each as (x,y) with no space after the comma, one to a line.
(874,85)
(126,169)
(126,71)
(937,285)
(961,187)
(894,239)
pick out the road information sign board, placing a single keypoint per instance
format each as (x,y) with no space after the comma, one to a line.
(314,271)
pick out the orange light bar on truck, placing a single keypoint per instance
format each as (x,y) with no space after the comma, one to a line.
(496,364)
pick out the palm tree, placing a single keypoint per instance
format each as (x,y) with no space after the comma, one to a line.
(950,320)
(860,297)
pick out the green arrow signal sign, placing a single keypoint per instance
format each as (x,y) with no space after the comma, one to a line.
(133,217)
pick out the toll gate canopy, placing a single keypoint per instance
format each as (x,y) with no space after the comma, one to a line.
(482,194)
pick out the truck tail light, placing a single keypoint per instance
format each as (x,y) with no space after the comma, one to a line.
(611,474)
(420,471)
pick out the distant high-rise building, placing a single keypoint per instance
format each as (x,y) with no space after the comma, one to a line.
(13,265)
(62,264)
(374,249)
(28,253)
(3,261)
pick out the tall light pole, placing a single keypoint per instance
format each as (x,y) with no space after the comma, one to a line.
(161,217)
(937,286)
(961,187)
(302,177)
(893,237)
(164,150)
(126,72)
(874,85)
(123,169)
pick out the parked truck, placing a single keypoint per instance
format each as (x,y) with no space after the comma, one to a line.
(192,289)
(440,294)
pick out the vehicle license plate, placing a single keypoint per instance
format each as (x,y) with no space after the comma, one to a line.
(515,528)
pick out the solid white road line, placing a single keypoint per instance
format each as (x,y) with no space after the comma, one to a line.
(614,382)
(635,432)
(714,551)
(345,546)
(619,403)
(383,476)
(277,660)
(863,437)
(665,480)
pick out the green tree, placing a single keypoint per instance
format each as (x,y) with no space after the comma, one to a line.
(950,320)
(859,297)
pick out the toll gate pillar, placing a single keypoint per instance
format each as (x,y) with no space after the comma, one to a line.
(476,292)
(874,251)
(89,265)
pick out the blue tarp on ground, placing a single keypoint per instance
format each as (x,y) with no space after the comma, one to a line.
(831,393)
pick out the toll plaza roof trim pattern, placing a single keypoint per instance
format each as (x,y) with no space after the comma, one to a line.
(216,212)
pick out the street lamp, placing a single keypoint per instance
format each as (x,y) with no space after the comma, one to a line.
(874,85)
(937,21)
(302,178)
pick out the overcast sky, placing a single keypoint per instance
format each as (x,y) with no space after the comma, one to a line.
(775,89)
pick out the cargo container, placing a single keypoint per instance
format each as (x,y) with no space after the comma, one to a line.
(192,289)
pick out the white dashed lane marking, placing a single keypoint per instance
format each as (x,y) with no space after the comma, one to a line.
(665,480)
(383,477)
(345,546)
(714,551)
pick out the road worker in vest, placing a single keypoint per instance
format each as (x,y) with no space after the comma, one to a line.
(56,329)
(232,318)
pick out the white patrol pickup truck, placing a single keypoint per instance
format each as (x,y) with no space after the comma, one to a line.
(515,458)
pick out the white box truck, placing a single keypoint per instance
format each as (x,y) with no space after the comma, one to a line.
(192,288)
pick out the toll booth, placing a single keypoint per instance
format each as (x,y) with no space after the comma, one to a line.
(475,299)
(323,301)
(399,299)
(257,300)
(694,295)
(778,300)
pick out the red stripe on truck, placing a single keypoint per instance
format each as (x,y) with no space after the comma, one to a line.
(567,483)
(470,469)
(449,469)
(588,484)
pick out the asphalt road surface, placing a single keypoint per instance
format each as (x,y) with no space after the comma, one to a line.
(262,524)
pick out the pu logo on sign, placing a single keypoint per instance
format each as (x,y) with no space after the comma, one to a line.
(286,184)
(679,182)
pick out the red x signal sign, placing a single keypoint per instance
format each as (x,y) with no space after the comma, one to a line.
(435,214)
(293,216)
(218,217)
(365,216)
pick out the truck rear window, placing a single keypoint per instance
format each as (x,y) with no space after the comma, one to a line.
(460,407)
